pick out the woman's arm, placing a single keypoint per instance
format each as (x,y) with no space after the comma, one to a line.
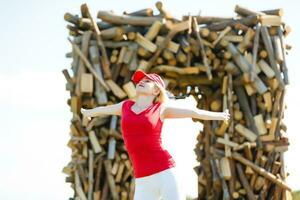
(114,109)
(175,112)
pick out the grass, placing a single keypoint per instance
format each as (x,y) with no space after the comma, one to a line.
(296,195)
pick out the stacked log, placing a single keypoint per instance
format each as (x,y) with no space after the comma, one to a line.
(233,63)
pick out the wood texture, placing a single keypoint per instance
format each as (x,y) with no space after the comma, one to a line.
(237,63)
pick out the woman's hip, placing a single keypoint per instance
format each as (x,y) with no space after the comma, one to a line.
(157,176)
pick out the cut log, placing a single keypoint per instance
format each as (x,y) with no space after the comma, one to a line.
(127,19)
(261,171)
(236,63)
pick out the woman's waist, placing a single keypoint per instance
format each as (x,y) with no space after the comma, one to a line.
(151,162)
(151,154)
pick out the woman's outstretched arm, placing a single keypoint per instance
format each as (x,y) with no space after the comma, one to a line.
(114,109)
(176,112)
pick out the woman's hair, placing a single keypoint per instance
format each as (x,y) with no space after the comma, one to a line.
(163,96)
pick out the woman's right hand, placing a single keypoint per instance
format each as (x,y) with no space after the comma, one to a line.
(226,115)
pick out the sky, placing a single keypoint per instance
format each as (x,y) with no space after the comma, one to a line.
(35,116)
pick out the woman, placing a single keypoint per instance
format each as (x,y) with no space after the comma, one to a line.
(141,122)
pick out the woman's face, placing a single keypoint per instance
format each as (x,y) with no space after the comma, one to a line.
(147,87)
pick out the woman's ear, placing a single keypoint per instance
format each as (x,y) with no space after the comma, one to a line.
(156,90)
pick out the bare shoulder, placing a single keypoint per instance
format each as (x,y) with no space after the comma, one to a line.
(174,110)
(120,104)
(163,107)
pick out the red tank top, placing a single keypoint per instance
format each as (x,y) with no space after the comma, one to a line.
(142,137)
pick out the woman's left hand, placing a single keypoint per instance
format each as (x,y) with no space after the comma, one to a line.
(225,115)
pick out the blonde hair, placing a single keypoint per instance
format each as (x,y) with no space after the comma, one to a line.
(162,97)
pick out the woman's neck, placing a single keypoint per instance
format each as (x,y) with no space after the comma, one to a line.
(143,101)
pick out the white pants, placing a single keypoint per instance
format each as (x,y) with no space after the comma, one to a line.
(162,185)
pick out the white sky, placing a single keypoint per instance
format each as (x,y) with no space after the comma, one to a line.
(35,116)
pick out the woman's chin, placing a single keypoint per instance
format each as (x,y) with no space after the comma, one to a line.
(138,92)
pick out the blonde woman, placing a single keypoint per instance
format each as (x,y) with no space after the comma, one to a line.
(142,119)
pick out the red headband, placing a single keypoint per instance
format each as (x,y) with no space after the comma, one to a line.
(139,75)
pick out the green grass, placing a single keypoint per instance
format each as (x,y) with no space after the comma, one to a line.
(296,195)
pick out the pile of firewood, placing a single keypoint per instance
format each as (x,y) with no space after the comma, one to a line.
(233,63)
